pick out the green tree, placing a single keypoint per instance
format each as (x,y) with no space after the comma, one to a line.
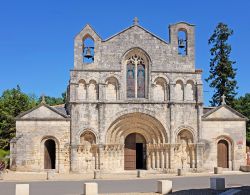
(54,100)
(222,74)
(242,105)
(12,103)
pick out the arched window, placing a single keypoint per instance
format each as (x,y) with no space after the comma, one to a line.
(136,77)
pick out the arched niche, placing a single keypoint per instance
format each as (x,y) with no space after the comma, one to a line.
(190,91)
(160,89)
(92,90)
(87,136)
(111,89)
(185,152)
(81,90)
(179,90)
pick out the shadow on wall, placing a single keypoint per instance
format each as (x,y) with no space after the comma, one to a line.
(207,148)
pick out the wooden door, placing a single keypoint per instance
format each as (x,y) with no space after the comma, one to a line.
(222,154)
(130,152)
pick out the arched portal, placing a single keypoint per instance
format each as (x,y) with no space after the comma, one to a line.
(49,154)
(143,136)
(135,152)
(223,154)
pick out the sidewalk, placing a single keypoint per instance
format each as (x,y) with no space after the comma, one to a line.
(126,175)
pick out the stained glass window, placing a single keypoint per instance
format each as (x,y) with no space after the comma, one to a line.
(136,77)
(140,81)
(130,80)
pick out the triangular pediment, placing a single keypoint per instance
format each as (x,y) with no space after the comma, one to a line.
(42,111)
(136,29)
(224,112)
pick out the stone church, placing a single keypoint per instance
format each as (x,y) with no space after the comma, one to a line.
(134,101)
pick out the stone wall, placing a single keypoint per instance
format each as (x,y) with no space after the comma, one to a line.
(234,132)
(28,151)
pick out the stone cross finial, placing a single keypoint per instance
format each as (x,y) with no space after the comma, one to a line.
(223,99)
(136,21)
(43,99)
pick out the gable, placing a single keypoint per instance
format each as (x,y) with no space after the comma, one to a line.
(224,112)
(138,31)
(41,112)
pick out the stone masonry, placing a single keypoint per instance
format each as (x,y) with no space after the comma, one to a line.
(137,105)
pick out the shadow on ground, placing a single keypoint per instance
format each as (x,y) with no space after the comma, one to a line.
(244,190)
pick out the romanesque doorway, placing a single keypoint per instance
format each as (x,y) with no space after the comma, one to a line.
(135,152)
(222,154)
(49,154)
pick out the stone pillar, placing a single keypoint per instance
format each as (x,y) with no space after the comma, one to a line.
(199,155)
(148,161)
(73,159)
(171,158)
(96,159)
(171,91)
(101,91)
(153,159)
(166,158)
(157,159)
(101,156)
(172,140)
(162,159)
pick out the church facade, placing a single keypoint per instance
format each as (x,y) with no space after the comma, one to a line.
(134,101)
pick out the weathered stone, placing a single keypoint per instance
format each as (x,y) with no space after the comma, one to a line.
(136,84)
(164,186)
(245,168)
(90,189)
(22,189)
(217,170)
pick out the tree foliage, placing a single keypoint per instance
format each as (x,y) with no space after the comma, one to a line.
(222,74)
(54,100)
(12,103)
(242,105)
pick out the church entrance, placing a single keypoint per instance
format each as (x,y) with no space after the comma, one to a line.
(135,152)
(49,154)
(222,154)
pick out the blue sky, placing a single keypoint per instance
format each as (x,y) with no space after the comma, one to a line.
(36,37)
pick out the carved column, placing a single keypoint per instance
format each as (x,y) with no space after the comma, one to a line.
(172,141)
(162,159)
(157,159)
(166,151)
(153,159)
